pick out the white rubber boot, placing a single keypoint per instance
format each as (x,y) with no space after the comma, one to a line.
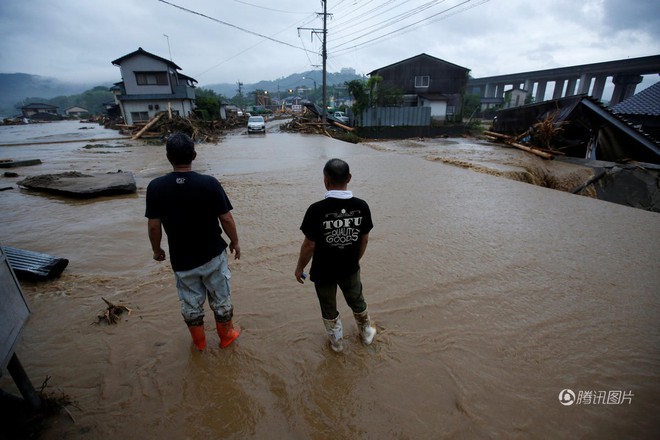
(367,329)
(335,333)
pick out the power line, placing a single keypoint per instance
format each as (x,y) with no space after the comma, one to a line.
(407,28)
(393,20)
(231,25)
(355,20)
(267,9)
(313,17)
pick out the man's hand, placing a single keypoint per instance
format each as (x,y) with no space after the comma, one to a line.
(235,249)
(300,276)
(159,255)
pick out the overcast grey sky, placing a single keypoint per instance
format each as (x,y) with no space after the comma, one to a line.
(252,40)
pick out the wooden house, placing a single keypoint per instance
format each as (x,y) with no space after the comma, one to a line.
(150,85)
(426,81)
(40,112)
(76,111)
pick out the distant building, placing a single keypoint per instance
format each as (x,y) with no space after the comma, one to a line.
(40,112)
(427,81)
(76,111)
(514,98)
(150,85)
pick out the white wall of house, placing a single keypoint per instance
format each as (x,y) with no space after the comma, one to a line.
(140,111)
(75,110)
(438,108)
(514,98)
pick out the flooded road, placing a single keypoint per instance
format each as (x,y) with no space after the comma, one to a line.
(491,297)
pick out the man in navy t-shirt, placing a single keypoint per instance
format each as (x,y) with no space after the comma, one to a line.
(336,235)
(191,207)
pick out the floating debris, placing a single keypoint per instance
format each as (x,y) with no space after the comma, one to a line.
(10,163)
(161,126)
(112,312)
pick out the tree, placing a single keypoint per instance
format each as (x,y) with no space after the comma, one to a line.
(472,104)
(384,94)
(358,90)
(207,103)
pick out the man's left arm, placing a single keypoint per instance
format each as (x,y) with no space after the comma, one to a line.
(229,226)
(364,241)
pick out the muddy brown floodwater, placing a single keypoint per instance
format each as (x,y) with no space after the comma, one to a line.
(491,297)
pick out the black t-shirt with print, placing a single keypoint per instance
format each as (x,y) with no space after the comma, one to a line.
(336,227)
(188,205)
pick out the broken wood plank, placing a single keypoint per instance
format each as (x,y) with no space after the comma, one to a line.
(508,140)
(148,126)
(345,127)
(539,153)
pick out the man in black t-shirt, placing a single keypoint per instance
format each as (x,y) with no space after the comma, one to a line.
(336,235)
(191,207)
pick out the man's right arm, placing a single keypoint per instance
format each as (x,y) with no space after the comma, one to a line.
(229,226)
(306,254)
(155,232)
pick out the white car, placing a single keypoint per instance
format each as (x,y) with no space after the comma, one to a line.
(256,124)
(341,117)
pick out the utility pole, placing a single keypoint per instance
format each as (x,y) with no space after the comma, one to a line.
(324,53)
(168,45)
(240,95)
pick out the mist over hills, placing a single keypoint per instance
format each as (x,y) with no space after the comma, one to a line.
(16,87)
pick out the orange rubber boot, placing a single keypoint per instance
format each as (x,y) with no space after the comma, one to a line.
(227,333)
(198,336)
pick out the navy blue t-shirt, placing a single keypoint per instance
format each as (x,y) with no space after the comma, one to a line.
(336,226)
(188,205)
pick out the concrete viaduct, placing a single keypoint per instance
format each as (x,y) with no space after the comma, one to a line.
(587,79)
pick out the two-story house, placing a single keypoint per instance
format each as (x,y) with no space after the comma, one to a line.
(40,112)
(426,81)
(150,85)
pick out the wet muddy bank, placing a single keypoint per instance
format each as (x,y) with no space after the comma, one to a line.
(635,185)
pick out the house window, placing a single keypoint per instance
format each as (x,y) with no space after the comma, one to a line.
(151,78)
(422,81)
(140,116)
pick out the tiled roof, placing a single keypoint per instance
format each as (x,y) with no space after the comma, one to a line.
(646,102)
(38,105)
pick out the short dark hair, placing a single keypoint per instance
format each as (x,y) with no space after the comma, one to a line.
(337,171)
(180,149)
